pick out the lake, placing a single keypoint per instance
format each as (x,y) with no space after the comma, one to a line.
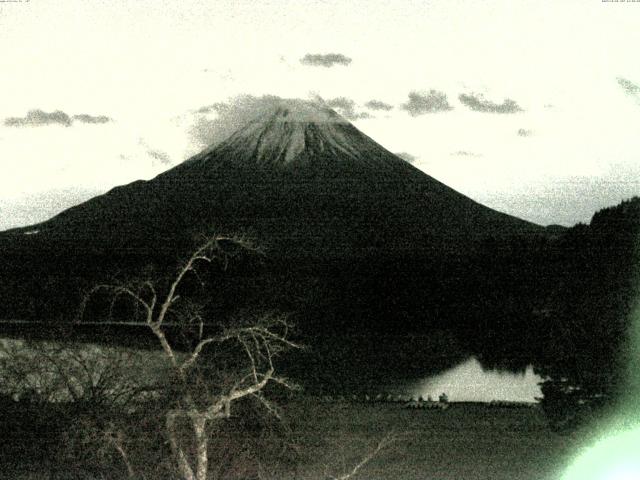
(470,382)
(465,382)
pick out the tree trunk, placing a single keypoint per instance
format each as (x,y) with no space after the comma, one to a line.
(130,471)
(183,464)
(202,465)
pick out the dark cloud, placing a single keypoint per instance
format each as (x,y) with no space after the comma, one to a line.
(37,118)
(85,118)
(378,105)
(345,107)
(464,153)
(431,102)
(478,103)
(159,155)
(628,86)
(342,103)
(524,132)
(325,60)
(407,157)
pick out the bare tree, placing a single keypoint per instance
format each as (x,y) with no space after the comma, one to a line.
(182,392)
(197,403)
(63,372)
(83,392)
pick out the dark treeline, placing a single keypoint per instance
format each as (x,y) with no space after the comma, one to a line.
(563,304)
(584,340)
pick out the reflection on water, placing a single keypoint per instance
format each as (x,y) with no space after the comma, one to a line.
(468,382)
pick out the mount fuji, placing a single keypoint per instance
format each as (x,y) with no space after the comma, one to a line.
(372,255)
(300,179)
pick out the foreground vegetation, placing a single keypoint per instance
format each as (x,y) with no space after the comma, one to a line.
(467,441)
(322,440)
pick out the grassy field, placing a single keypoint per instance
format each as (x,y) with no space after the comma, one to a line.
(465,442)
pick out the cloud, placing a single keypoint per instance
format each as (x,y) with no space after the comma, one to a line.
(327,60)
(214,107)
(85,118)
(159,155)
(431,102)
(36,118)
(407,157)
(378,105)
(231,115)
(345,107)
(464,153)
(39,118)
(629,87)
(478,103)
(238,111)
(524,132)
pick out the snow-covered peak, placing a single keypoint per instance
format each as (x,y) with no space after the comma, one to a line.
(295,130)
(291,110)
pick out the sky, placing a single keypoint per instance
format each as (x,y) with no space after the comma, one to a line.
(529,107)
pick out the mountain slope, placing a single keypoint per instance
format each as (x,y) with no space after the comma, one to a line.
(298,178)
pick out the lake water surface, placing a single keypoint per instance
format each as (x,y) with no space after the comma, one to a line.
(465,382)
(469,382)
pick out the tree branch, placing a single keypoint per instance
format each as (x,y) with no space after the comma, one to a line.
(387,440)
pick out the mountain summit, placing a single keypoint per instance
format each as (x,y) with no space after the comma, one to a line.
(295,133)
